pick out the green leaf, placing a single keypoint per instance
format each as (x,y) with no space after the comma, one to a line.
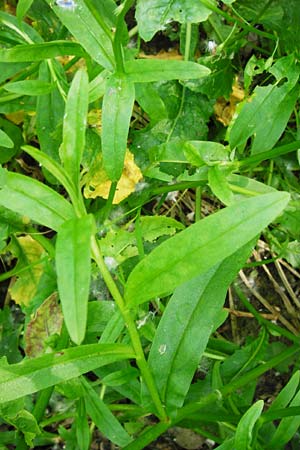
(217,180)
(74,126)
(201,246)
(244,433)
(50,112)
(22,7)
(287,428)
(116,114)
(40,52)
(94,38)
(269,109)
(33,199)
(29,87)
(28,376)
(103,418)
(186,326)
(5,140)
(83,434)
(148,70)
(153,15)
(73,265)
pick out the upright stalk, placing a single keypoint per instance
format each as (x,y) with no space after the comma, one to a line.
(132,330)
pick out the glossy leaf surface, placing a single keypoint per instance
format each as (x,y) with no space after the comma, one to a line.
(33,199)
(201,246)
(18,380)
(73,265)
(244,432)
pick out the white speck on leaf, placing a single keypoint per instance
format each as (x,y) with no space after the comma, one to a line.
(70,5)
(162,349)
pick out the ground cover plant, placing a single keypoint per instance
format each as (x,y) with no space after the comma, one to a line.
(113,285)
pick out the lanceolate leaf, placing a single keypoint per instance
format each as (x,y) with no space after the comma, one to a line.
(186,326)
(5,140)
(244,432)
(29,87)
(116,114)
(201,246)
(18,380)
(74,126)
(103,418)
(143,71)
(33,199)
(39,52)
(73,265)
(95,39)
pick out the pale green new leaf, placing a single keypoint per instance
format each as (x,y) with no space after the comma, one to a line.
(103,418)
(32,375)
(186,326)
(5,140)
(244,432)
(94,38)
(73,266)
(74,126)
(32,199)
(201,246)
(219,185)
(29,87)
(153,15)
(148,70)
(116,114)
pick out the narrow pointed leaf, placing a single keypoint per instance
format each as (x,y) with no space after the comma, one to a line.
(22,8)
(103,418)
(39,52)
(33,199)
(186,326)
(73,265)
(116,114)
(29,87)
(74,126)
(244,432)
(143,71)
(32,375)
(201,246)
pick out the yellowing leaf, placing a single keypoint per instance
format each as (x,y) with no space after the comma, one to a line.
(224,110)
(97,183)
(46,322)
(29,253)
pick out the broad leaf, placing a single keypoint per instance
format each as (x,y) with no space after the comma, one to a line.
(201,246)
(103,418)
(186,326)
(73,265)
(26,377)
(153,15)
(143,71)
(74,125)
(94,37)
(33,199)
(116,114)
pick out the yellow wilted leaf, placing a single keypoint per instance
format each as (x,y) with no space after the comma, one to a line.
(224,110)
(26,282)
(97,184)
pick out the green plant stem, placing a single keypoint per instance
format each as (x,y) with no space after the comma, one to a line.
(117,42)
(132,330)
(210,5)
(42,403)
(107,208)
(198,203)
(274,153)
(138,235)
